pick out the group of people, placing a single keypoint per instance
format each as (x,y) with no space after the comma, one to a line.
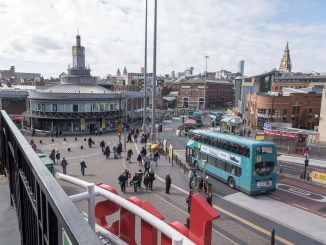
(133,133)
(136,181)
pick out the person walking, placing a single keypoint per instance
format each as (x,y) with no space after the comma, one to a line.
(167,183)
(90,141)
(188,200)
(140,177)
(119,149)
(156,157)
(151,179)
(209,198)
(52,156)
(135,137)
(122,181)
(127,175)
(139,158)
(129,138)
(129,154)
(135,181)
(146,181)
(147,166)
(107,152)
(64,164)
(33,132)
(102,145)
(115,151)
(57,156)
(82,166)
(143,151)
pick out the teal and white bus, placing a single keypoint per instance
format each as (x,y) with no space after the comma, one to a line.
(245,164)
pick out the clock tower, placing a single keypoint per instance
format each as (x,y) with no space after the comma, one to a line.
(286,60)
(78,55)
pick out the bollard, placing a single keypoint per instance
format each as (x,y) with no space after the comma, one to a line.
(64,139)
(273,237)
(52,140)
(75,139)
(281,169)
(81,147)
(68,148)
(84,139)
(41,141)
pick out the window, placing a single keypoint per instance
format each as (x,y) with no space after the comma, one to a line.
(43,107)
(102,106)
(54,107)
(82,107)
(75,108)
(111,107)
(185,102)
(38,107)
(201,103)
(211,160)
(220,164)
(262,111)
(264,150)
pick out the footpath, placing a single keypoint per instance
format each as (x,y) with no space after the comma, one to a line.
(300,160)
(306,223)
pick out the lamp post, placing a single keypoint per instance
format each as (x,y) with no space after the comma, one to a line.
(154,75)
(206,75)
(145,76)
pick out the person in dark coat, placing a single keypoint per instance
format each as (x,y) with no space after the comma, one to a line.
(167,183)
(64,164)
(107,152)
(151,179)
(52,155)
(122,181)
(139,158)
(143,151)
(82,166)
(129,138)
(140,177)
(90,141)
(119,149)
(102,145)
(135,181)
(156,157)
(128,175)
(146,181)
(129,154)
(57,156)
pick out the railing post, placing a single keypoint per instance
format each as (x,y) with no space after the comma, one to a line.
(91,205)
(273,237)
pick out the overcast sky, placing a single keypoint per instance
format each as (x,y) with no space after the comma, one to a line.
(37,35)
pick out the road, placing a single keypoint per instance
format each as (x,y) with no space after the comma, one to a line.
(237,225)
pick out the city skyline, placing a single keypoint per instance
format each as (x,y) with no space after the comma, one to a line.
(40,34)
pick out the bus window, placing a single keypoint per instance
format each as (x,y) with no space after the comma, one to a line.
(264,168)
(228,168)
(264,150)
(237,171)
(211,160)
(220,164)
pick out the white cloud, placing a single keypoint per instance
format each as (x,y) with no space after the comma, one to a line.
(37,35)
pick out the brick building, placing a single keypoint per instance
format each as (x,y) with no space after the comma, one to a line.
(202,93)
(301,108)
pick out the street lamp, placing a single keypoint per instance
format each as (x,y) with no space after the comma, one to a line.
(206,57)
(154,75)
(145,76)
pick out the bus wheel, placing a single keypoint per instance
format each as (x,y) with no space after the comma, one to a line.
(231,182)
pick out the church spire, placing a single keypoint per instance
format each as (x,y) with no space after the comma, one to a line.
(286,60)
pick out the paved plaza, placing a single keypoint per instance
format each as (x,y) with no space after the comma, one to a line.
(231,228)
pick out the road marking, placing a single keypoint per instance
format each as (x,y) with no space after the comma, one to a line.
(236,217)
(300,192)
(188,214)
(294,204)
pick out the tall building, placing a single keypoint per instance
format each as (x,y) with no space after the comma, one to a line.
(240,68)
(286,60)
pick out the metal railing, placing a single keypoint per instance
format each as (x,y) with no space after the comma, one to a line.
(45,213)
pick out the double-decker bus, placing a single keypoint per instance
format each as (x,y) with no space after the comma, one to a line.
(245,164)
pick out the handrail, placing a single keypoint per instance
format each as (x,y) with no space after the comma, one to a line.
(46,189)
(160,225)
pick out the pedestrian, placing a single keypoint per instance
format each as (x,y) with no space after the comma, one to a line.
(135,181)
(60,132)
(102,145)
(129,138)
(52,156)
(64,164)
(34,146)
(146,181)
(127,175)
(82,166)
(90,141)
(107,152)
(119,149)
(122,181)
(167,183)
(115,151)
(206,185)
(209,198)
(147,166)
(143,151)
(140,178)
(191,178)
(156,157)
(33,132)
(57,156)
(31,142)
(249,132)
(188,200)
(129,154)
(151,179)
(200,183)
(139,158)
